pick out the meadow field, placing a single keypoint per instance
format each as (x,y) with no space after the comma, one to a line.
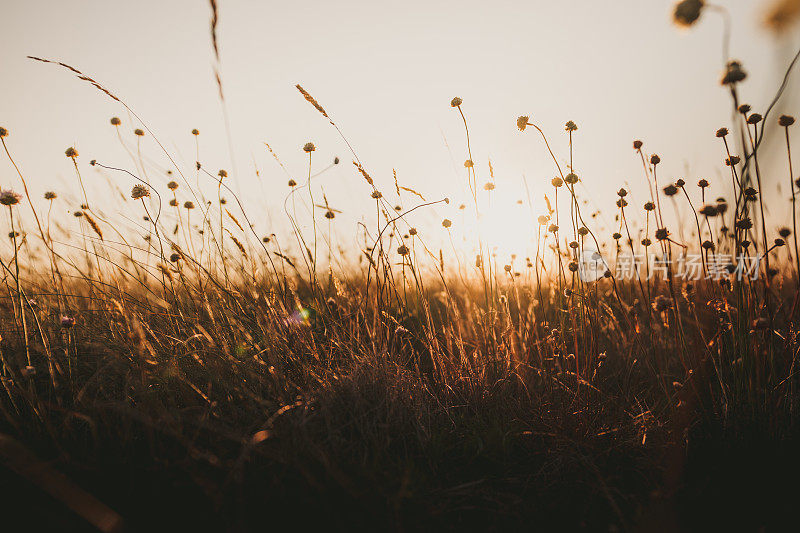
(169,365)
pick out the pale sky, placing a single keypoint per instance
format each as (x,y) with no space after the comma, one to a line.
(386,72)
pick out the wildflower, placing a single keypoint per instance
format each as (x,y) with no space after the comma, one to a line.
(637,145)
(115,121)
(622,202)
(662,303)
(744,223)
(507,268)
(522,122)
(309,147)
(138,132)
(468,163)
(744,109)
(412,231)
(755,118)
(552,228)
(489,186)
(687,12)
(557,182)
(750,193)
(708,245)
(670,190)
(9,197)
(195,132)
(571,178)
(616,236)
(646,242)
(172,185)
(732,160)
(680,183)
(139,191)
(733,73)
(446,223)
(703,183)
(709,210)
(67,322)
(543,219)
(455,102)
(3,132)
(222,173)
(292,183)
(722,132)
(174,257)
(573,245)
(376,194)
(50,195)
(649,206)
(570,126)
(71,152)
(330,215)
(573,266)
(188,204)
(173,202)
(784,232)
(583,231)
(662,234)
(654,159)
(622,193)
(779,242)
(785,121)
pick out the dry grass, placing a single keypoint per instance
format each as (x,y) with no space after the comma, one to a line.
(184,369)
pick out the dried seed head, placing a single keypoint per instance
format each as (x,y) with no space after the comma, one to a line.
(455,102)
(522,122)
(573,266)
(732,160)
(412,231)
(557,182)
(670,190)
(654,159)
(138,132)
(583,231)
(755,118)
(637,145)
(3,132)
(662,234)
(616,236)
(622,192)
(733,73)
(708,245)
(67,322)
(570,126)
(722,132)
(687,12)
(77,214)
(543,219)
(71,152)
(622,202)
(744,223)
(188,204)
(744,109)
(680,183)
(751,193)
(489,186)
(139,191)
(174,257)
(784,232)
(779,242)
(402,249)
(173,202)
(571,178)
(195,132)
(468,163)
(50,195)
(115,121)
(330,215)
(573,245)
(292,183)
(709,210)
(446,223)
(222,173)
(662,303)
(9,197)
(785,121)
(649,206)
(309,147)
(552,228)
(376,194)
(703,183)
(172,185)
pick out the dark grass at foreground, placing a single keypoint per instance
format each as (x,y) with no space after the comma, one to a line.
(360,418)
